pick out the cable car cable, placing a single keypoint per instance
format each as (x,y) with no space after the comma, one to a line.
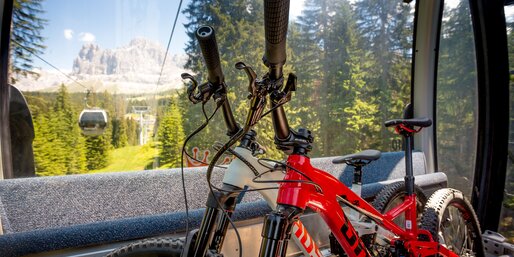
(169,43)
(49,64)
(91,121)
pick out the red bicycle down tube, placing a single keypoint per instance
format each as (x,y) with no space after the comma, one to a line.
(325,203)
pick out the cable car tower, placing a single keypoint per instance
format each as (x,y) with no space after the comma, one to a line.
(92,120)
(144,123)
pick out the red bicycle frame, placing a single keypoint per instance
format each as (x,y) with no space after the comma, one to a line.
(324,200)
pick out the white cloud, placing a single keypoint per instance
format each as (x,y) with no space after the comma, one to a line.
(86,37)
(68,34)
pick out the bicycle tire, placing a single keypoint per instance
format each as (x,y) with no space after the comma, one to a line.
(450,218)
(390,196)
(154,247)
(394,194)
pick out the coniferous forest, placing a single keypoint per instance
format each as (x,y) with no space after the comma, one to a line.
(353,63)
(352,76)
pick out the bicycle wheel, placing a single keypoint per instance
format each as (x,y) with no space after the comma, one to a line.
(389,197)
(450,218)
(393,195)
(155,247)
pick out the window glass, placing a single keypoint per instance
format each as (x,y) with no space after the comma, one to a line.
(106,95)
(506,226)
(457,103)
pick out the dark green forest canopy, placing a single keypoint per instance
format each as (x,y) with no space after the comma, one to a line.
(352,60)
(59,146)
(352,75)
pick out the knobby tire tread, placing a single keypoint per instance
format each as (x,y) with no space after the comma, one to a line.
(386,195)
(436,207)
(390,192)
(154,247)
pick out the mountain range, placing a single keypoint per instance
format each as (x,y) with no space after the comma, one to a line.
(131,69)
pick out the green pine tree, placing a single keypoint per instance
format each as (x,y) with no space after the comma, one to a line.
(119,133)
(386,27)
(58,145)
(132,128)
(65,126)
(171,136)
(97,151)
(26,38)
(326,57)
(48,149)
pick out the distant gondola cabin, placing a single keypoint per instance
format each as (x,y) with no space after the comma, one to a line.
(93,122)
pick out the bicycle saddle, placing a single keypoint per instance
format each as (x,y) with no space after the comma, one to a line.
(417,122)
(366,155)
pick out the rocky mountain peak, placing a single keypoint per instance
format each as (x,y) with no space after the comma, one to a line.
(139,56)
(133,68)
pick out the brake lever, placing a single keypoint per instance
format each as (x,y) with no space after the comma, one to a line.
(257,95)
(252,77)
(191,88)
(204,92)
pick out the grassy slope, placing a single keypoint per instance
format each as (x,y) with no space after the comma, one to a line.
(130,158)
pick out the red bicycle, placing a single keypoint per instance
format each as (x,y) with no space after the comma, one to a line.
(449,226)
(447,209)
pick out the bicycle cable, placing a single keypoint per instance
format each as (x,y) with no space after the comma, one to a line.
(193,158)
(218,154)
(272,109)
(368,214)
(253,169)
(200,128)
(309,181)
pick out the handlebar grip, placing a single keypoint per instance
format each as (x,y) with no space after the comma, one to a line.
(276,19)
(207,40)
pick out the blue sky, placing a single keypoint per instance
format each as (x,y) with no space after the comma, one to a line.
(111,24)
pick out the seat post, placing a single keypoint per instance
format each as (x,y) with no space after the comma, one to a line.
(406,128)
(356,187)
(357,179)
(409,174)
(357,174)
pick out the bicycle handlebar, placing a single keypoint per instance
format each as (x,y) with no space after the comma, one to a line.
(207,39)
(276,19)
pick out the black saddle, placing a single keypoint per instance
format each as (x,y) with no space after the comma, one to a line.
(416,122)
(360,158)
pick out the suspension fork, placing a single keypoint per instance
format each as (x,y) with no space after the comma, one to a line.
(276,230)
(214,226)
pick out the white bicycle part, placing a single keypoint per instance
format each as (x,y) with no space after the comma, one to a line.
(240,175)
